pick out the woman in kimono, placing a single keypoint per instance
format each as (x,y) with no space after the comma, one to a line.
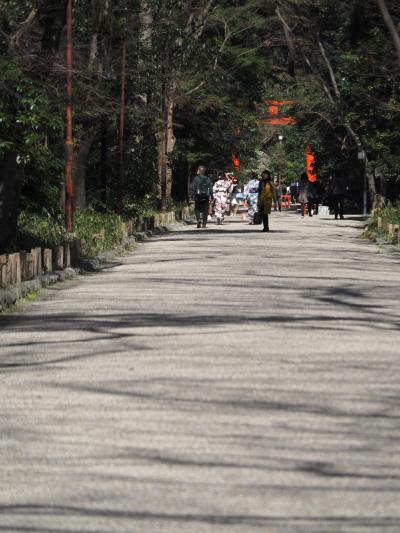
(235,197)
(251,195)
(221,191)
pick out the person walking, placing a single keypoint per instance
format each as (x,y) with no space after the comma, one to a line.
(338,189)
(221,191)
(313,196)
(294,191)
(266,195)
(303,194)
(235,191)
(251,196)
(278,194)
(202,191)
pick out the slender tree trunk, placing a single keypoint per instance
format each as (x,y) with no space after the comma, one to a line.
(166,142)
(163,148)
(69,184)
(368,171)
(80,168)
(100,42)
(194,28)
(121,169)
(390,26)
(103,159)
(53,18)
(370,181)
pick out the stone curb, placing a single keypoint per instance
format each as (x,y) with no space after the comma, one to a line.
(383,242)
(9,297)
(95,264)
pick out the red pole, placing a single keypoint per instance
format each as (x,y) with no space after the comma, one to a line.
(69,142)
(120,184)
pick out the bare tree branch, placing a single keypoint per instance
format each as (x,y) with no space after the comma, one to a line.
(23,28)
(330,69)
(310,65)
(289,41)
(390,26)
(227,37)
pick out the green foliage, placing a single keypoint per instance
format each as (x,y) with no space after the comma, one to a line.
(217,113)
(98,231)
(41,230)
(388,212)
(32,129)
(361,56)
(139,208)
(26,119)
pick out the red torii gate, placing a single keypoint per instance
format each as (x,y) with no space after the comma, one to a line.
(275,117)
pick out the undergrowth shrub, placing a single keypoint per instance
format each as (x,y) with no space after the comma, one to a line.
(45,230)
(96,231)
(388,212)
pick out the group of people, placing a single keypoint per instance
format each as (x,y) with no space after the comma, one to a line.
(215,198)
(311,193)
(260,195)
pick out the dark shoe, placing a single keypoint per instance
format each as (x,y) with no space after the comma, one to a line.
(342,217)
(204,226)
(335,217)
(199,224)
(265,229)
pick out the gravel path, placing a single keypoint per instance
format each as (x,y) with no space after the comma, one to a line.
(219,380)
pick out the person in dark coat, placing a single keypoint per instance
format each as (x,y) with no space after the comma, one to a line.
(303,193)
(202,193)
(294,191)
(314,196)
(338,188)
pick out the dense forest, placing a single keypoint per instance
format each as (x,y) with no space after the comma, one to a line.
(159,86)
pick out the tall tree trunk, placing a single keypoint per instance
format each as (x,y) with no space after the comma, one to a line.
(103,159)
(11,176)
(80,169)
(194,28)
(69,144)
(166,144)
(53,15)
(121,133)
(100,42)
(370,181)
